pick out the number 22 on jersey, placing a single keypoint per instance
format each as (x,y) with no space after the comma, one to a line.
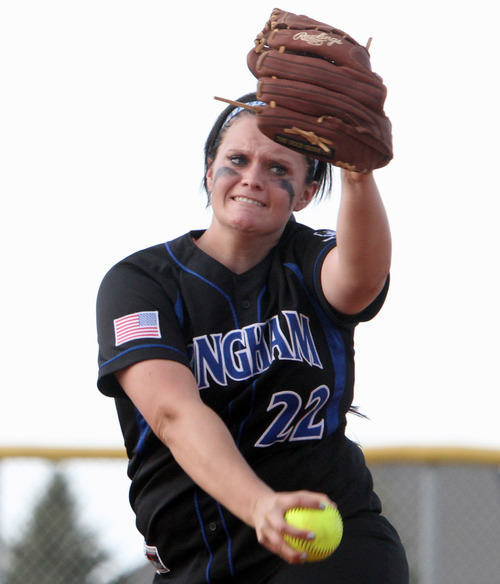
(292,423)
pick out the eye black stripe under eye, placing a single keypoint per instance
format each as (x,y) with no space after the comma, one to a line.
(287,186)
(224,171)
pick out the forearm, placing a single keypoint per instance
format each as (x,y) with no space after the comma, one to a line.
(203,446)
(363,232)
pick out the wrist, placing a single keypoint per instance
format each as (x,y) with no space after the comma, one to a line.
(350,176)
(260,499)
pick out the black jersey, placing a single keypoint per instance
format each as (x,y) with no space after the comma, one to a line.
(270,356)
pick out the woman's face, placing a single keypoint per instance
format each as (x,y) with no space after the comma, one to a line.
(256,184)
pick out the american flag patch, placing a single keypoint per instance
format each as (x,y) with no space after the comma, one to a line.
(139,325)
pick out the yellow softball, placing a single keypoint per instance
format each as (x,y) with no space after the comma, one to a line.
(327,526)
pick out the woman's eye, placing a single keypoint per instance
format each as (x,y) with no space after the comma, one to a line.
(278,169)
(237,160)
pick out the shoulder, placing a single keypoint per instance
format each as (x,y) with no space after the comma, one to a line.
(306,243)
(155,258)
(295,230)
(152,269)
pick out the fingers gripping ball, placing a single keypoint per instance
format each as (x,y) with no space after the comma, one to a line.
(327,526)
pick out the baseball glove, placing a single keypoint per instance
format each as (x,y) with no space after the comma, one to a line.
(322,97)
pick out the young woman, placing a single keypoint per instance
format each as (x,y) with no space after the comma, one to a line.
(229,352)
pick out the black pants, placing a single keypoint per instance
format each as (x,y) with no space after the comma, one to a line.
(370,553)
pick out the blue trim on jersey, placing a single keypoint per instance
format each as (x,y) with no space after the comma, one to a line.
(250,412)
(337,353)
(179,309)
(203,279)
(205,539)
(324,251)
(204,536)
(229,540)
(137,347)
(143,431)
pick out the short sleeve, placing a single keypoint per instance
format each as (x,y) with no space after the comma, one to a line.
(137,319)
(365,315)
(311,248)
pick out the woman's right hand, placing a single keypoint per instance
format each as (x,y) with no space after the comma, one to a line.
(270,525)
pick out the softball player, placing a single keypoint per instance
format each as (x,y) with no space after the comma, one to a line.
(229,353)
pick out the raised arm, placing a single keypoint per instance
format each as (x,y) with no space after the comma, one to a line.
(355,271)
(166,394)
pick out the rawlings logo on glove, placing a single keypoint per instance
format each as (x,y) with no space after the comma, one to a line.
(317,39)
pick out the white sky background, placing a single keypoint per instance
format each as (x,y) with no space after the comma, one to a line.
(104,110)
(105,106)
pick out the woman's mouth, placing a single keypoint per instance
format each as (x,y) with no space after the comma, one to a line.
(240,199)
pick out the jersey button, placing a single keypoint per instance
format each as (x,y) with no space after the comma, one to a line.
(246,304)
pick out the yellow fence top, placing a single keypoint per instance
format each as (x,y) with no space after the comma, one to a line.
(386,455)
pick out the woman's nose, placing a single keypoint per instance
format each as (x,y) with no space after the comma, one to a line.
(253,176)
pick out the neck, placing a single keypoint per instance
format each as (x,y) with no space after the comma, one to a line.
(238,252)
